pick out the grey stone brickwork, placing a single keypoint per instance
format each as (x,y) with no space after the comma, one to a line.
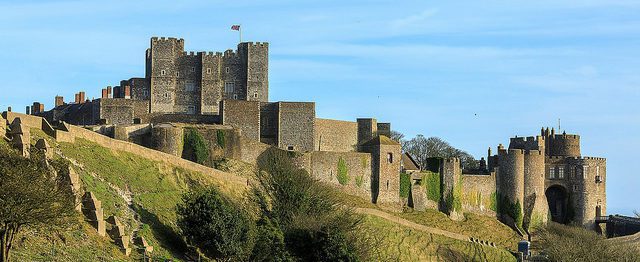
(324,167)
(243,115)
(478,193)
(296,126)
(335,135)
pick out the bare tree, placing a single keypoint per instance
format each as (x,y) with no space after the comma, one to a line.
(31,195)
(422,148)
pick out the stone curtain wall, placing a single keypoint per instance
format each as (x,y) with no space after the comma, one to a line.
(296,125)
(243,115)
(479,193)
(116,111)
(269,113)
(325,167)
(335,135)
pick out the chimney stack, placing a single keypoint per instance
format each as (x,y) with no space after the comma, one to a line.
(104,93)
(109,94)
(59,101)
(81,97)
(127,92)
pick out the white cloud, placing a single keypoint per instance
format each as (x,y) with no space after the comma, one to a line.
(414,19)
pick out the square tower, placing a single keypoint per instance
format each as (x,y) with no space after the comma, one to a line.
(385,169)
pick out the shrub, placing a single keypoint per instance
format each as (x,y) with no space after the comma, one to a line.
(315,225)
(216,225)
(270,244)
(195,147)
(568,243)
(405,185)
(343,172)
(220,138)
(493,202)
(432,183)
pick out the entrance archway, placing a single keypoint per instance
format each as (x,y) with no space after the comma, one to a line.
(558,200)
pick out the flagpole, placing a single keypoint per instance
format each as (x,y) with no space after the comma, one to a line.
(240,33)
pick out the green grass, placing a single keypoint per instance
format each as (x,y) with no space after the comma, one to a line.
(399,243)
(156,188)
(477,226)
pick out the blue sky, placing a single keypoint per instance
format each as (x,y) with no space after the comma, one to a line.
(473,73)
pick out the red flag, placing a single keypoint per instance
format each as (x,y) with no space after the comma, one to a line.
(235,27)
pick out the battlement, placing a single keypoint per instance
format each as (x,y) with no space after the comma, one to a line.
(262,44)
(565,136)
(157,39)
(452,160)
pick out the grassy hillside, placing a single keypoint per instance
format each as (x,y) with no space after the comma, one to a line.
(143,194)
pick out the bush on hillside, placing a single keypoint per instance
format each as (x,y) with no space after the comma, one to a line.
(314,224)
(405,185)
(214,224)
(570,243)
(195,147)
(270,244)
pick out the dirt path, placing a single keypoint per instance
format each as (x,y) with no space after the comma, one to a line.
(407,223)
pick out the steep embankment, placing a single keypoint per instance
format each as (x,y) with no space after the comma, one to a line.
(143,193)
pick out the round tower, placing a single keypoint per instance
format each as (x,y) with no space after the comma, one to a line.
(511,188)
(167,138)
(588,192)
(565,145)
(535,202)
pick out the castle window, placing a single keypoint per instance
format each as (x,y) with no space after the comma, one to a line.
(387,184)
(226,70)
(584,172)
(552,172)
(228,87)
(390,157)
(561,172)
(290,148)
(162,72)
(191,110)
(576,188)
(255,95)
(235,96)
(208,70)
(193,69)
(177,74)
(190,87)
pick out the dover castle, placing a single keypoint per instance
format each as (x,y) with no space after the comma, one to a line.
(224,98)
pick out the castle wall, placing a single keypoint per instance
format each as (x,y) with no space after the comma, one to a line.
(116,111)
(140,88)
(244,115)
(167,138)
(335,135)
(324,167)
(183,118)
(535,204)
(296,126)
(478,194)
(269,115)
(384,129)
(367,129)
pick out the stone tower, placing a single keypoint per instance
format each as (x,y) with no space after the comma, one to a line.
(195,83)
(385,169)
(162,70)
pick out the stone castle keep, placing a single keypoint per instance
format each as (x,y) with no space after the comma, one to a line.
(224,97)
